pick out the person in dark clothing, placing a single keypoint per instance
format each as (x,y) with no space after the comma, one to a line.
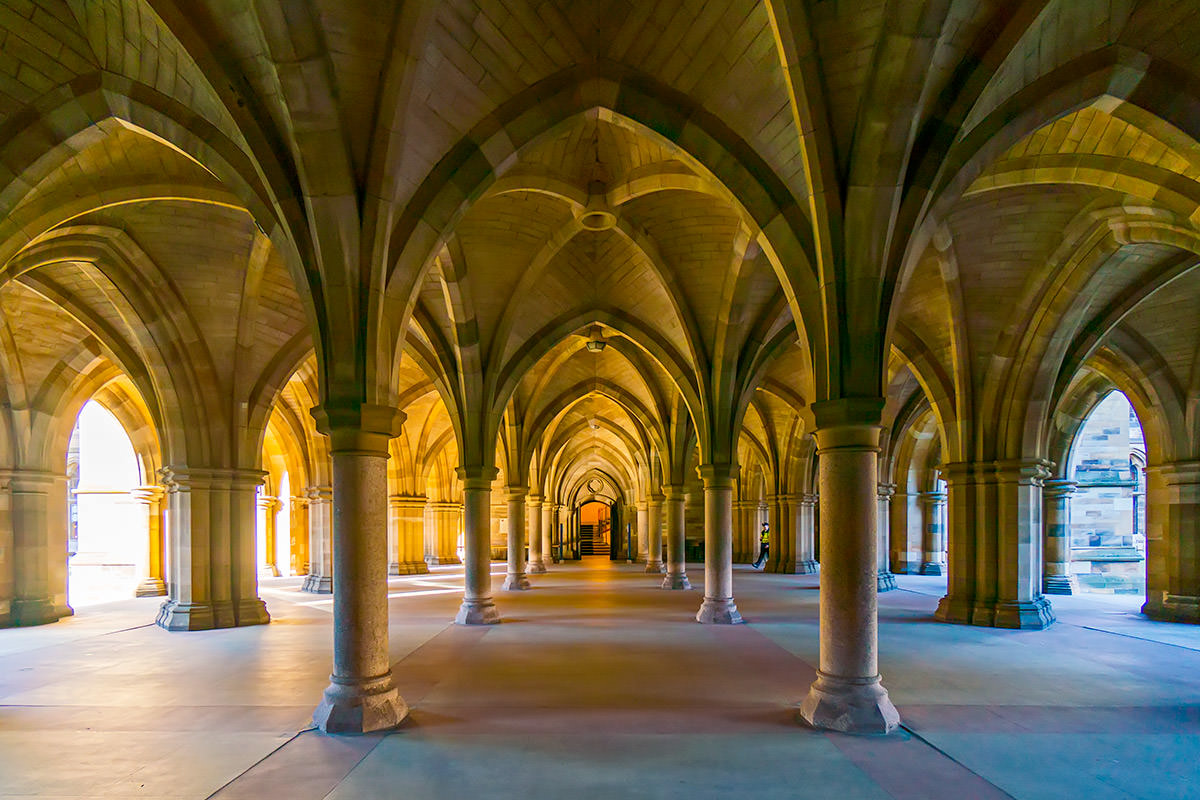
(764,546)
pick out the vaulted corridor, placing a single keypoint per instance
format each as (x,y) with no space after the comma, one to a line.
(602,685)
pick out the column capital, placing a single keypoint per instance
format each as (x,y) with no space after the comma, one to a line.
(31,480)
(319,494)
(718,475)
(931,498)
(673,492)
(848,436)
(177,478)
(807,499)
(1023,470)
(1058,487)
(268,502)
(516,492)
(148,494)
(848,412)
(886,491)
(298,501)
(1177,473)
(477,477)
(533,499)
(358,427)
(406,501)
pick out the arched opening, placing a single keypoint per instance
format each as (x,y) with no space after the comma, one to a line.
(108,525)
(1107,524)
(595,529)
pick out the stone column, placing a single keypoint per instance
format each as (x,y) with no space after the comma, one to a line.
(654,515)
(39,536)
(773,524)
(848,694)
(1056,496)
(516,580)
(441,532)
(361,695)
(533,521)
(718,606)
(320,540)
(478,607)
(212,515)
(933,536)
(806,512)
(676,577)
(266,508)
(406,523)
(643,531)
(152,584)
(298,535)
(745,549)
(995,563)
(885,581)
(549,518)
(1173,542)
(6,550)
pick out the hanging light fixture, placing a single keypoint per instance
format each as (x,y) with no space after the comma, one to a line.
(595,342)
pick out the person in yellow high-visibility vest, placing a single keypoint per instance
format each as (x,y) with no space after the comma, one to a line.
(764,546)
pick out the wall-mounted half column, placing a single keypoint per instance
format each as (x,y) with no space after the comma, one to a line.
(885,581)
(933,533)
(806,517)
(150,497)
(39,547)
(320,540)
(406,527)
(1056,496)
(848,694)
(1173,542)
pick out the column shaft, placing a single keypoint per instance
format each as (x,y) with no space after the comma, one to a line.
(478,607)
(718,606)
(516,579)
(320,540)
(885,581)
(933,536)
(676,577)
(406,529)
(152,584)
(39,561)
(1173,542)
(533,521)
(654,535)
(848,694)
(806,513)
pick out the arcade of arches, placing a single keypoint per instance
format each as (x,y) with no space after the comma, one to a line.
(374,288)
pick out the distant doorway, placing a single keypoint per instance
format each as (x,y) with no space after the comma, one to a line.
(595,529)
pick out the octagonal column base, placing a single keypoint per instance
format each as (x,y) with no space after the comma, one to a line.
(477,612)
(360,706)
(516,582)
(859,706)
(537,567)
(718,612)
(807,567)
(676,582)
(655,567)
(885,581)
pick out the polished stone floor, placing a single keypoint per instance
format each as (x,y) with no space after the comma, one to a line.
(599,685)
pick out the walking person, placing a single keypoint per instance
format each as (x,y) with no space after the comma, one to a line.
(764,546)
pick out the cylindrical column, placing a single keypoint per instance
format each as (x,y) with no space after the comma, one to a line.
(320,540)
(885,581)
(152,584)
(1056,499)
(718,606)
(933,534)
(516,580)
(549,518)
(654,537)
(361,696)
(478,607)
(676,577)
(643,531)
(848,694)
(533,517)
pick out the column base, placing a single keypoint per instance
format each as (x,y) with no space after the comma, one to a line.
(679,581)
(537,567)
(317,584)
(175,616)
(360,706)
(1174,608)
(516,582)
(850,706)
(655,568)
(439,560)
(408,568)
(222,614)
(718,612)
(252,611)
(477,612)
(885,581)
(268,571)
(1058,584)
(1032,615)
(930,568)
(42,611)
(807,567)
(150,587)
